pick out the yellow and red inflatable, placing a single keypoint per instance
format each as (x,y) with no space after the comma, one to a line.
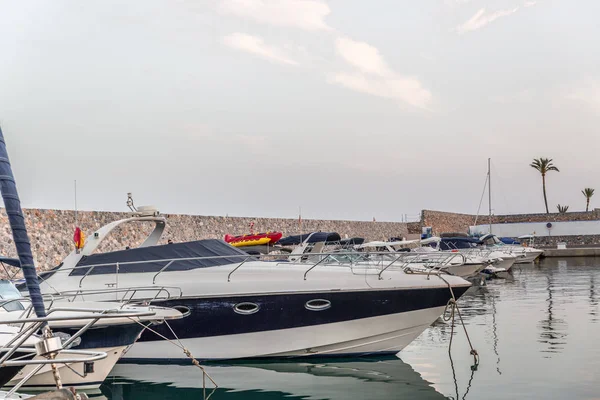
(253,239)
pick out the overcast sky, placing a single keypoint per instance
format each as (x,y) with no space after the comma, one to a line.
(351,109)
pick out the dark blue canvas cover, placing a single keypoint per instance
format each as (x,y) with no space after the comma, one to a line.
(152,259)
(458,243)
(315,238)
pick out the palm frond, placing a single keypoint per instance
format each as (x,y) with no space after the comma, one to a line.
(588,192)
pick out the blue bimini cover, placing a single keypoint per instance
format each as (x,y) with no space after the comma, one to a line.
(453,243)
(315,238)
(155,258)
(507,240)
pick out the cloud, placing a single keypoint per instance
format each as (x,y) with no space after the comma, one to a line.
(255,45)
(530,3)
(362,56)
(483,18)
(408,90)
(303,14)
(375,77)
(587,94)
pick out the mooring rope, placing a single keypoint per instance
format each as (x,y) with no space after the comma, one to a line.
(454,310)
(181,346)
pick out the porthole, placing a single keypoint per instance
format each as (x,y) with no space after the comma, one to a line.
(246,308)
(317,305)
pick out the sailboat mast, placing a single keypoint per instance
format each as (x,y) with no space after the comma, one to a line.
(490,193)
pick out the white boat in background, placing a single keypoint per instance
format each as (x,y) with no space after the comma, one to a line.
(501,260)
(418,254)
(243,307)
(523,254)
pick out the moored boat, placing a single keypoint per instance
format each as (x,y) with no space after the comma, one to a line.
(242,307)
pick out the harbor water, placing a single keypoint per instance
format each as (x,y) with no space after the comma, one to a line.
(536,333)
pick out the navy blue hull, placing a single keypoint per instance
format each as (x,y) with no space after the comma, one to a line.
(8,373)
(109,336)
(216,316)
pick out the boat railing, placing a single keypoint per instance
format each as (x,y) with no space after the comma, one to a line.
(374,259)
(129,294)
(30,326)
(389,265)
(128,297)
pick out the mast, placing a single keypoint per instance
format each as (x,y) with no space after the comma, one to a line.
(12,204)
(490,194)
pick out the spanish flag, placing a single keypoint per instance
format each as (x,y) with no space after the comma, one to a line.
(79,238)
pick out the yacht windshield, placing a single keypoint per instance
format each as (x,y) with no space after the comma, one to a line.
(8,291)
(492,240)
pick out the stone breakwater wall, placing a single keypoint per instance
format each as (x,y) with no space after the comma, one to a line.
(571,241)
(51,231)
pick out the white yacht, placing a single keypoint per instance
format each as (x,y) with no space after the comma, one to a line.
(523,254)
(242,307)
(423,256)
(496,259)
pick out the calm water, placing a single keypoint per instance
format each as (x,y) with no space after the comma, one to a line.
(537,335)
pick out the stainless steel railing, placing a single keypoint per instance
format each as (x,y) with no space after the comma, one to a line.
(30,326)
(434,260)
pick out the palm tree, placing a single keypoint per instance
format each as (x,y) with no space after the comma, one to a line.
(562,209)
(588,193)
(544,165)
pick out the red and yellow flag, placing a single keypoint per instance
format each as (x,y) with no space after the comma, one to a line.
(79,238)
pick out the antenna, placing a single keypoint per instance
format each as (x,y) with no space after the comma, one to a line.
(130,202)
(75,202)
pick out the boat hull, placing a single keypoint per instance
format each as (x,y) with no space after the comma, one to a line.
(7,373)
(356,322)
(386,334)
(529,256)
(71,374)
(465,270)
(506,263)
(112,340)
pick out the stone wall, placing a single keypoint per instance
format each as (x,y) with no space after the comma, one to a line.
(414,227)
(571,241)
(441,221)
(51,231)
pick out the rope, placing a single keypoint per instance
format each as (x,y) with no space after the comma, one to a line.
(454,310)
(182,347)
(481,200)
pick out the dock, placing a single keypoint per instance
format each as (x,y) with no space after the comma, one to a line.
(573,252)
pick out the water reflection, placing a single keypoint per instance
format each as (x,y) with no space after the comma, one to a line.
(593,298)
(553,329)
(381,378)
(455,379)
(517,326)
(495,334)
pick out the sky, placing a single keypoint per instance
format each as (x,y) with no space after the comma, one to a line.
(347,109)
